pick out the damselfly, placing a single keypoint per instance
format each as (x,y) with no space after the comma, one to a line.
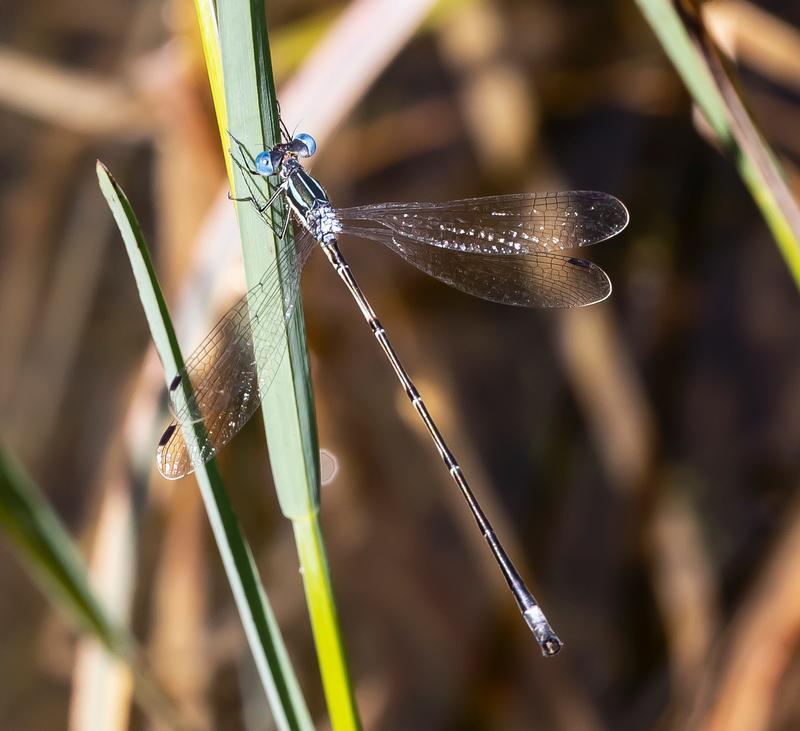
(503,248)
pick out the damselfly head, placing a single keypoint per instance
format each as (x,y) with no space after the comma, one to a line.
(304,145)
(267,162)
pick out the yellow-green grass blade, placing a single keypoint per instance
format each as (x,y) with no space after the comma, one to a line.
(287,404)
(681,32)
(262,632)
(209,37)
(325,624)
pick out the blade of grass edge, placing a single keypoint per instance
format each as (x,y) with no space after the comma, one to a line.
(209,37)
(288,409)
(263,635)
(697,60)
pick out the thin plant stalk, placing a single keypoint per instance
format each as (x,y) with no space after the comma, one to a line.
(263,635)
(708,78)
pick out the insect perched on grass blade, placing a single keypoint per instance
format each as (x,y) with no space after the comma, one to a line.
(506,249)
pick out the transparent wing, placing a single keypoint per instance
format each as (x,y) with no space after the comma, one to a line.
(530,279)
(506,224)
(224,369)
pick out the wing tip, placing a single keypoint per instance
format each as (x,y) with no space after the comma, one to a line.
(169,469)
(615,215)
(609,287)
(625,216)
(166,468)
(601,278)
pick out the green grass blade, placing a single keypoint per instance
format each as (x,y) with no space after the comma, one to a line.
(706,76)
(272,661)
(287,405)
(53,560)
(50,554)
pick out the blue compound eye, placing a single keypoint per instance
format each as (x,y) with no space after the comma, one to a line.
(308,145)
(263,163)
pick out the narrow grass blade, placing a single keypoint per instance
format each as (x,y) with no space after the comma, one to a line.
(51,557)
(679,27)
(287,405)
(272,661)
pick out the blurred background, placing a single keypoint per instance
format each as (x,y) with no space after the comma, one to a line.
(638,457)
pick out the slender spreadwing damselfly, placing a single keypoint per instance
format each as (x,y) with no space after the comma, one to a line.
(506,249)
